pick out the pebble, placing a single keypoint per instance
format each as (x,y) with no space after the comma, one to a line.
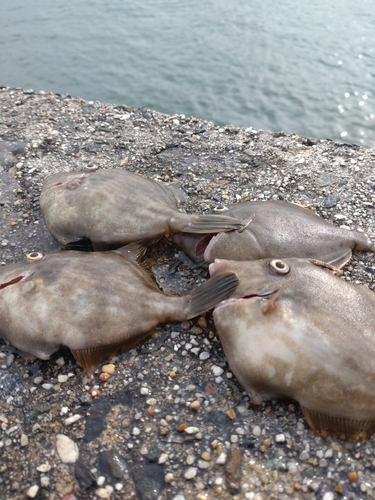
(221,459)
(195,405)
(169,478)
(206,455)
(71,420)
(110,369)
(67,449)
(24,440)
(202,464)
(62,378)
(217,370)
(257,431)
(191,430)
(44,481)
(144,391)
(43,468)
(32,491)
(136,431)
(204,355)
(353,476)
(191,473)
(280,438)
(163,458)
(151,402)
(104,492)
(328,495)
(104,377)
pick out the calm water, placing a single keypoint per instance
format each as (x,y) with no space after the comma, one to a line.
(305,67)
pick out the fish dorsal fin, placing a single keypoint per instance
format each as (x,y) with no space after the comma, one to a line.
(212,223)
(338,427)
(320,263)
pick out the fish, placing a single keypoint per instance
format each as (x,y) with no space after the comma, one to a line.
(293,328)
(114,207)
(97,304)
(276,229)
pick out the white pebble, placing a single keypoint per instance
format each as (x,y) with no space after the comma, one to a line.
(202,464)
(204,355)
(169,478)
(190,473)
(67,449)
(328,495)
(72,419)
(119,486)
(62,378)
(47,386)
(191,430)
(144,391)
(24,440)
(32,491)
(280,438)
(104,492)
(163,458)
(100,481)
(221,459)
(45,481)
(136,431)
(44,468)
(256,430)
(217,370)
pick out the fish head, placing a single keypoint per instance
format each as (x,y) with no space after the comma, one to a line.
(258,279)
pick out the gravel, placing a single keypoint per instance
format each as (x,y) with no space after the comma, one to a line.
(238,450)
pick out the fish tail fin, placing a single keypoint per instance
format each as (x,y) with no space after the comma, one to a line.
(206,296)
(213,223)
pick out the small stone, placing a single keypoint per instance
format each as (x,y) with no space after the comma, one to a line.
(202,464)
(44,481)
(339,489)
(231,414)
(221,459)
(257,431)
(206,455)
(172,374)
(195,405)
(62,378)
(196,329)
(169,478)
(331,201)
(67,449)
(191,430)
(151,402)
(43,468)
(300,188)
(328,495)
(71,420)
(204,355)
(104,377)
(163,458)
(202,322)
(217,370)
(32,491)
(104,492)
(110,369)
(24,440)
(136,431)
(191,473)
(144,391)
(353,476)
(280,438)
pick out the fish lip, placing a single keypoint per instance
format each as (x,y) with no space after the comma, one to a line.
(231,300)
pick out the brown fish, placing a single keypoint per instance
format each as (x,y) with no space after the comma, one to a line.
(277,229)
(94,303)
(115,207)
(294,329)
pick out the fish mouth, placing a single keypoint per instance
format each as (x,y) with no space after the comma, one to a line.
(247,298)
(13,281)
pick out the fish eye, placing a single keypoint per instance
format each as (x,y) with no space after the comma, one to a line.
(279,266)
(220,208)
(35,256)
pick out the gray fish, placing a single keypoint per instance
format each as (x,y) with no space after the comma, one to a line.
(96,304)
(292,328)
(277,229)
(115,207)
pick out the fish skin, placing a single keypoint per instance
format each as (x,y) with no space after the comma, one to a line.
(313,341)
(93,303)
(278,229)
(115,207)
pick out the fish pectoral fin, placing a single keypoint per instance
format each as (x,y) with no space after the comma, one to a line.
(136,250)
(89,358)
(206,296)
(338,427)
(212,223)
